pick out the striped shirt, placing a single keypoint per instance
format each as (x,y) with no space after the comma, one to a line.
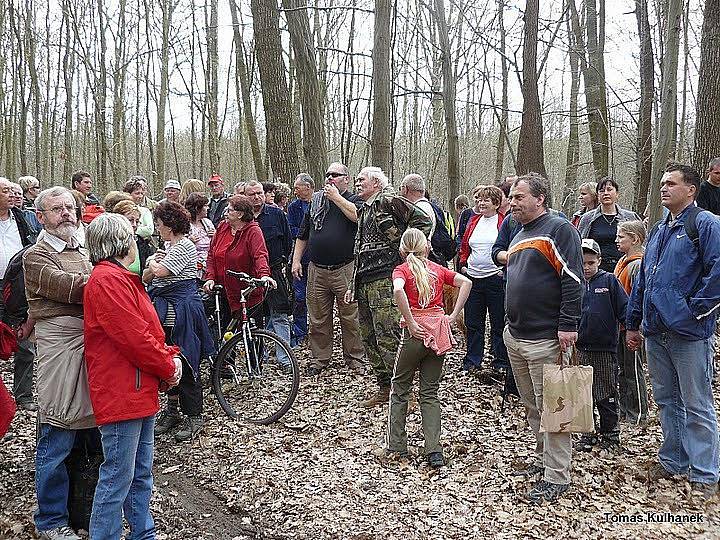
(181,260)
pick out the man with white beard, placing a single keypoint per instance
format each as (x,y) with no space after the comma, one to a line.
(56,271)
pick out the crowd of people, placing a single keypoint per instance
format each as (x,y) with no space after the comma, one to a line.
(112,312)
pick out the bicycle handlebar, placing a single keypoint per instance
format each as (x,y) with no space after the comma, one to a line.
(254,283)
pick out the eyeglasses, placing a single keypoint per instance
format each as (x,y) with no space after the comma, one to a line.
(334,175)
(57,210)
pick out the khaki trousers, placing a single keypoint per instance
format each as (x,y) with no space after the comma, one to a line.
(527,357)
(414,356)
(324,287)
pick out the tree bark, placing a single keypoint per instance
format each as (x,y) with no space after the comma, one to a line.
(313,138)
(531,154)
(596,96)
(647,91)
(167,8)
(381,87)
(707,123)
(453,149)
(281,144)
(572,156)
(503,124)
(668,98)
(211,77)
(242,75)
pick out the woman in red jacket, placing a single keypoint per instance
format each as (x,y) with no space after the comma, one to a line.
(238,245)
(127,360)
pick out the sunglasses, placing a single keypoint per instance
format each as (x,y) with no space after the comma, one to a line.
(334,175)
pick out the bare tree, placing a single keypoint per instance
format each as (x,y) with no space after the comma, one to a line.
(211,77)
(313,133)
(531,154)
(647,91)
(668,99)
(281,144)
(707,123)
(382,87)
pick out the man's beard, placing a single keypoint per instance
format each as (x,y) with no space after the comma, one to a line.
(64,231)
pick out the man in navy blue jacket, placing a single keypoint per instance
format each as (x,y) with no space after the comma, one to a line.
(676,296)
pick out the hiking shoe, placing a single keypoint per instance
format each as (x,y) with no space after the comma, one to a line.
(529,470)
(191,426)
(610,440)
(166,421)
(436,460)
(704,490)
(381,397)
(658,472)
(544,490)
(586,443)
(313,371)
(61,533)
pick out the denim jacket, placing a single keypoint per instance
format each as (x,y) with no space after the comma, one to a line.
(678,287)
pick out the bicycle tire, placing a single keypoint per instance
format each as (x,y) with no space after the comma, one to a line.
(253,398)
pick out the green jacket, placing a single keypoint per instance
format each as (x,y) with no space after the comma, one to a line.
(382,220)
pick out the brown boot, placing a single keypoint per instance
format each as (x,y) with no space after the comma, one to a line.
(381,397)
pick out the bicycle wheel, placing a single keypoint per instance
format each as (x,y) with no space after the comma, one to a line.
(250,383)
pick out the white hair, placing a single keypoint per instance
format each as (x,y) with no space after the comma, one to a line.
(375,173)
(109,236)
(55,191)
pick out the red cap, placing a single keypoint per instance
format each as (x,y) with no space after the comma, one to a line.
(215,178)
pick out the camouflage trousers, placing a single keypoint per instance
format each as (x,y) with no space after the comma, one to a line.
(379,318)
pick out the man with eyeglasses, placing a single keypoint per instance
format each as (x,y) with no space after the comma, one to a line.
(56,271)
(328,233)
(16,234)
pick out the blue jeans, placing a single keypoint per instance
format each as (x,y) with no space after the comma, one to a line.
(279,323)
(681,374)
(487,296)
(300,313)
(51,477)
(125,483)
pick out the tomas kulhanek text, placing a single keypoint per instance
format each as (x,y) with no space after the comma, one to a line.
(654,517)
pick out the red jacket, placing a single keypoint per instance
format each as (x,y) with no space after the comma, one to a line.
(465,243)
(244,252)
(125,346)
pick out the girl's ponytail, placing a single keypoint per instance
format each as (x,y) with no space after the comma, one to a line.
(413,245)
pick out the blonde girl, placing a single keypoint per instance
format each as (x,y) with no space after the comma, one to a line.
(633,405)
(426,337)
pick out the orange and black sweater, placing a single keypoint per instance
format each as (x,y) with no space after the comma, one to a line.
(544,279)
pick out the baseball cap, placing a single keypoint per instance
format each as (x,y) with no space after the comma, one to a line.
(172,184)
(215,178)
(591,245)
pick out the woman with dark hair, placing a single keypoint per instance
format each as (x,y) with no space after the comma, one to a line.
(601,223)
(132,212)
(201,228)
(171,274)
(238,245)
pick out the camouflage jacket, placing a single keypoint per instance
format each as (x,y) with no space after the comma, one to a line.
(381,223)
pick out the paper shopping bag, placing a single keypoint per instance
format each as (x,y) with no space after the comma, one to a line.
(567,399)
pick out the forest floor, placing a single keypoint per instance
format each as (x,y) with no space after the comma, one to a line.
(316,474)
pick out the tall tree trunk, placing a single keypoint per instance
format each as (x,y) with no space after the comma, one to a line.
(119,159)
(244,83)
(572,156)
(68,68)
(313,136)
(707,123)
(382,87)
(502,132)
(668,98)
(281,144)
(596,96)
(211,77)
(100,94)
(453,155)
(647,91)
(167,7)
(531,154)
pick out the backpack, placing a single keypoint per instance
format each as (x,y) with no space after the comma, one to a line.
(690,226)
(14,304)
(443,245)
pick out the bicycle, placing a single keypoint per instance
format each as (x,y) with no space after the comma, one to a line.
(255,375)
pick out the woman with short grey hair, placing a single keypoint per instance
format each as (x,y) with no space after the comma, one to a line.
(127,364)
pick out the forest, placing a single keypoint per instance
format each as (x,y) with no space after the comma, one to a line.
(462,92)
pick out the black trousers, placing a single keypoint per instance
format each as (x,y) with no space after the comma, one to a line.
(608,411)
(189,390)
